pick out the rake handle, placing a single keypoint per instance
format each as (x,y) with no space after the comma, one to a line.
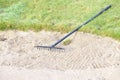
(76,29)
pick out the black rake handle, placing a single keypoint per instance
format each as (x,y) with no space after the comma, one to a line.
(76,29)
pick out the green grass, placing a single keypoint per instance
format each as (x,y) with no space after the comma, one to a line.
(60,15)
(67,42)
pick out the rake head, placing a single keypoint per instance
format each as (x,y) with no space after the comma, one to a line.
(49,48)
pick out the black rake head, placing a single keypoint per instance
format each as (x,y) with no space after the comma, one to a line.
(49,48)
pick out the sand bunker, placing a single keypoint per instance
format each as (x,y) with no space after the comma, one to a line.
(86,51)
(88,57)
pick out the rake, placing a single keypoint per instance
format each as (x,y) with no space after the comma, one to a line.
(53,46)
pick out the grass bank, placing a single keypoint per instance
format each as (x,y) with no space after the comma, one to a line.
(60,15)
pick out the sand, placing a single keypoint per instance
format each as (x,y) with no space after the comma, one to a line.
(86,57)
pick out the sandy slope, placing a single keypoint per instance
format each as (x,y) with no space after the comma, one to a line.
(86,52)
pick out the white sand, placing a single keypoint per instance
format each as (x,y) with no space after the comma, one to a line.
(88,53)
